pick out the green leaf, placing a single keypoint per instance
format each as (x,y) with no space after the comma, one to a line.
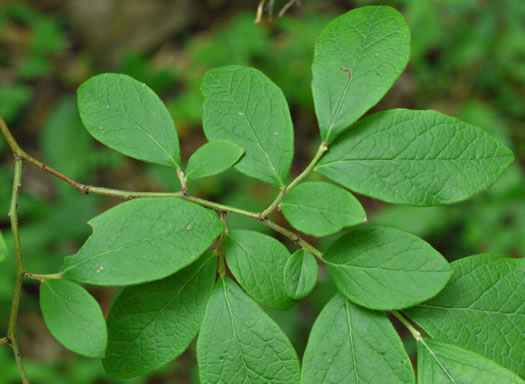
(358,57)
(416,157)
(321,209)
(300,274)
(350,344)
(143,240)
(257,261)
(239,343)
(151,324)
(242,105)
(4,251)
(74,317)
(442,363)
(385,268)
(481,309)
(213,158)
(128,116)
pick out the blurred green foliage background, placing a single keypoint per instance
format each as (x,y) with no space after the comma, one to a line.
(468,60)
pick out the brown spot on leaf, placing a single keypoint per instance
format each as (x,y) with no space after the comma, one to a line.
(347,71)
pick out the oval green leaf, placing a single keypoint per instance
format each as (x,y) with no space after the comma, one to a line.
(418,158)
(239,343)
(128,116)
(143,240)
(213,158)
(242,105)
(353,345)
(257,261)
(151,324)
(357,59)
(481,309)
(443,363)
(321,209)
(73,317)
(300,274)
(385,268)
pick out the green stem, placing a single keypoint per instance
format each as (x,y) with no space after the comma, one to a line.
(3,341)
(295,238)
(182,179)
(35,276)
(303,175)
(221,207)
(20,270)
(85,189)
(415,333)
(129,194)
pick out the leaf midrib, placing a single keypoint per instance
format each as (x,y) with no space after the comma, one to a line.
(124,115)
(349,81)
(413,160)
(252,130)
(351,337)
(176,296)
(246,368)
(83,261)
(472,310)
(438,361)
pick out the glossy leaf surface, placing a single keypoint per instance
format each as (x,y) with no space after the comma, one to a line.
(353,345)
(213,158)
(481,309)
(321,209)
(242,105)
(300,274)
(150,324)
(257,261)
(438,362)
(128,116)
(416,157)
(143,240)
(73,317)
(240,343)
(358,57)
(385,268)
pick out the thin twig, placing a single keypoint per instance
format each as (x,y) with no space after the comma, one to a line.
(287,6)
(282,193)
(269,9)
(260,8)
(35,276)
(85,189)
(20,270)
(295,238)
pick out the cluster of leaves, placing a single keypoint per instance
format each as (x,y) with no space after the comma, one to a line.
(470,68)
(157,248)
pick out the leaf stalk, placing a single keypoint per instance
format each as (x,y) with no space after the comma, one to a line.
(303,175)
(415,333)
